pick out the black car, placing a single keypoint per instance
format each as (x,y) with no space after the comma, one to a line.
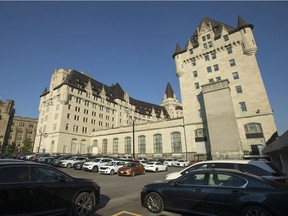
(219,192)
(28,188)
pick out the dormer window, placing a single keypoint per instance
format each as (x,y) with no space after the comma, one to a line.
(226,37)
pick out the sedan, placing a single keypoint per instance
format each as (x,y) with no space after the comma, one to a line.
(131,169)
(38,189)
(69,162)
(155,166)
(181,163)
(219,192)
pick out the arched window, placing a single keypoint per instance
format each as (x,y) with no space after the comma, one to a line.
(200,135)
(142,144)
(104,146)
(127,145)
(115,145)
(157,140)
(83,148)
(176,142)
(253,130)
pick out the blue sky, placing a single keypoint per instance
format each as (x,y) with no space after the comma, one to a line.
(131,43)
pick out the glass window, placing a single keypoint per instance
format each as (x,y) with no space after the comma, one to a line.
(197,86)
(191,51)
(243,106)
(213,55)
(232,62)
(225,180)
(193,62)
(142,144)
(193,179)
(157,139)
(253,130)
(176,142)
(226,37)
(195,74)
(44,174)
(211,80)
(206,57)
(238,89)
(115,145)
(127,145)
(218,78)
(229,49)
(216,67)
(14,174)
(235,75)
(104,146)
(209,70)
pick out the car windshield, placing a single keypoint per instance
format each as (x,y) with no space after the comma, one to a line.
(151,163)
(96,160)
(131,165)
(110,163)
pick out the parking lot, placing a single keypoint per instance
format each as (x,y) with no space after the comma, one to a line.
(120,195)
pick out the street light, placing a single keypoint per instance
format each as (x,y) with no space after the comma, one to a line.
(133,132)
(41,134)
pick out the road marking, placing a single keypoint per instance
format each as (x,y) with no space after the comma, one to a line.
(125,213)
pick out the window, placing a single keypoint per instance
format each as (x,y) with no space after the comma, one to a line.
(200,135)
(226,37)
(229,49)
(253,130)
(235,75)
(157,139)
(211,80)
(195,74)
(44,174)
(232,62)
(225,180)
(191,51)
(238,89)
(206,57)
(243,106)
(176,142)
(127,145)
(213,55)
(104,146)
(209,70)
(115,145)
(14,174)
(193,62)
(218,78)
(216,67)
(193,179)
(197,86)
(142,144)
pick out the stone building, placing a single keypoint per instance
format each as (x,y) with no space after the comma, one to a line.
(7,112)
(225,111)
(22,128)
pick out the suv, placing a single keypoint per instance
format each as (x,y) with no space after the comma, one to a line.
(95,164)
(257,167)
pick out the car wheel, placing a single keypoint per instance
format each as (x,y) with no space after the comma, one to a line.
(166,169)
(84,204)
(156,170)
(95,169)
(69,165)
(154,203)
(254,211)
(112,172)
(133,173)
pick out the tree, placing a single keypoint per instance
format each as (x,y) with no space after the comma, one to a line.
(11,148)
(27,146)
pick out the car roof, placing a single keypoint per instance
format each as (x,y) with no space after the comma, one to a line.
(231,161)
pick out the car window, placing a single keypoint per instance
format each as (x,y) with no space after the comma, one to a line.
(195,167)
(219,179)
(193,179)
(253,170)
(223,165)
(14,174)
(45,174)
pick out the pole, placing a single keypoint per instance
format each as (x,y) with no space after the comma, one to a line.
(133,141)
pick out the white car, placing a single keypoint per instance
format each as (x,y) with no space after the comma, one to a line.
(111,167)
(155,166)
(69,162)
(257,167)
(169,162)
(181,163)
(95,164)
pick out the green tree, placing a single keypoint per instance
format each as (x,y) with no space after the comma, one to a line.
(11,148)
(27,146)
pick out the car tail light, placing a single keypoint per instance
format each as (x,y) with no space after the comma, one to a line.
(279,180)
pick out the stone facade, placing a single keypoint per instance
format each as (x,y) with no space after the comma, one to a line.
(225,111)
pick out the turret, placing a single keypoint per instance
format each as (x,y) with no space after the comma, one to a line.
(248,42)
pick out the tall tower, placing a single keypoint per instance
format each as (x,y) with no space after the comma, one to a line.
(225,105)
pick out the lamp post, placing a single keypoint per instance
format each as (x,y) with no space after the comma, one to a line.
(133,133)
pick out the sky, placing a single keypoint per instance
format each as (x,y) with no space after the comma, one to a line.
(129,42)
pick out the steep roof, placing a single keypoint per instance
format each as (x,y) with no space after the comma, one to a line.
(169,91)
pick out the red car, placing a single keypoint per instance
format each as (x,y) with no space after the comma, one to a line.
(131,169)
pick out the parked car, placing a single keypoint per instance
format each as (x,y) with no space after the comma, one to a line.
(111,167)
(181,163)
(219,192)
(257,167)
(155,166)
(68,163)
(28,188)
(57,160)
(95,164)
(131,169)
(169,162)
(78,165)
